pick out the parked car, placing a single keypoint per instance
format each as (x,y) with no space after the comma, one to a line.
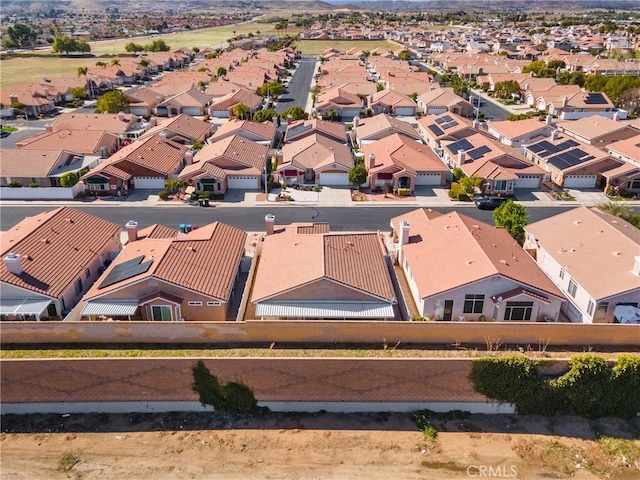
(489,203)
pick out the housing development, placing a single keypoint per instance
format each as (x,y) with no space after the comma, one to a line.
(424,203)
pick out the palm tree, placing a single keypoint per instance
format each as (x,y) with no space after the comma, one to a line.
(83,71)
(101,64)
(615,208)
(241,111)
(115,62)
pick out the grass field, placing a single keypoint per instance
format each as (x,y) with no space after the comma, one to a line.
(17,69)
(316,47)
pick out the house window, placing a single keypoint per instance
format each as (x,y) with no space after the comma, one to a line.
(161,313)
(213,304)
(590,306)
(601,311)
(87,273)
(194,304)
(518,311)
(573,288)
(562,273)
(500,185)
(473,303)
(78,286)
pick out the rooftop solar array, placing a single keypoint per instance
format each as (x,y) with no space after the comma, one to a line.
(446,122)
(126,270)
(479,152)
(570,159)
(545,148)
(595,99)
(463,144)
(436,130)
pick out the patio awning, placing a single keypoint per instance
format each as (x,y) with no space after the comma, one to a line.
(338,310)
(110,307)
(23,306)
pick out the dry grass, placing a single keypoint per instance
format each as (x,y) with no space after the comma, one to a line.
(316,47)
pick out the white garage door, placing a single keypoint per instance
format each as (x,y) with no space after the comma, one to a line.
(528,181)
(580,181)
(428,179)
(333,179)
(404,112)
(149,182)
(193,111)
(242,182)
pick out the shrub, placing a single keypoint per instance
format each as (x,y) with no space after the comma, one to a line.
(430,433)
(238,398)
(457,174)
(194,196)
(67,461)
(14,184)
(206,194)
(34,185)
(234,397)
(163,195)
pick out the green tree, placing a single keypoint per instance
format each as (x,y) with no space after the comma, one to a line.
(158,46)
(272,89)
(101,64)
(468,184)
(132,47)
(297,113)
(79,93)
(241,111)
(206,386)
(173,185)
(64,44)
(513,217)
(265,115)
(615,208)
(506,89)
(69,179)
(112,102)
(556,64)
(22,35)
(221,71)
(358,174)
(379,87)
(144,63)
(540,69)
(404,55)
(115,62)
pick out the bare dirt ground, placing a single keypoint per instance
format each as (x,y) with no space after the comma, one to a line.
(312,446)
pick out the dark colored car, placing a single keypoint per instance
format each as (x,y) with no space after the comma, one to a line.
(489,203)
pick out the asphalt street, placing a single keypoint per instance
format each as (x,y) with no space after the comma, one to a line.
(298,88)
(491,110)
(252,218)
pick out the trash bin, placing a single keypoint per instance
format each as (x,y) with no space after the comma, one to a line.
(182,228)
(206,202)
(188,227)
(201,202)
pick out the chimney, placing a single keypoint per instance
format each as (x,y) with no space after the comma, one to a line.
(154,121)
(532,74)
(46,91)
(289,119)
(132,230)
(274,119)
(462,157)
(13,98)
(404,232)
(526,86)
(356,121)
(163,136)
(188,157)
(269,221)
(548,120)
(616,116)
(13,263)
(372,161)
(565,102)
(554,135)
(103,152)
(476,124)
(636,266)
(48,128)
(121,116)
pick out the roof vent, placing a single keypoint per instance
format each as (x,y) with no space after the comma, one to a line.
(504,262)
(616,254)
(13,263)
(577,222)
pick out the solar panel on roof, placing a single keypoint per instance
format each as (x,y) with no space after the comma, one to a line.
(536,147)
(436,131)
(564,160)
(447,118)
(477,153)
(460,145)
(440,120)
(126,270)
(447,126)
(595,99)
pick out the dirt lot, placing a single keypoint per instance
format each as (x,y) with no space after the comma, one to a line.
(314,446)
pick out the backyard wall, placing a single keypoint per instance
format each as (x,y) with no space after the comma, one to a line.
(535,334)
(41,193)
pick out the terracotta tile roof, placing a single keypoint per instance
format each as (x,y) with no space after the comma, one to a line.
(145,96)
(231,154)
(372,127)
(594,127)
(334,130)
(392,98)
(595,248)
(192,97)
(80,141)
(222,88)
(629,148)
(403,152)
(56,247)
(243,95)
(183,125)
(157,231)
(317,151)
(150,152)
(338,97)
(462,124)
(94,121)
(265,130)
(441,97)
(518,128)
(204,260)
(292,260)
(482,251)
(31,163)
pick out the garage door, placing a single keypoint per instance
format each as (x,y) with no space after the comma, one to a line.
(428,179)
(149,182)
(243,182)
(528,181)
(333,179)
(580,181)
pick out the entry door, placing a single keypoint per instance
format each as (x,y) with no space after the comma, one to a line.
(448,310)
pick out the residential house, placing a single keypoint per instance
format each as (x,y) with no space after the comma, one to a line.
(35,103)
(391,102)
(164,275)
(592,256)
(143,101)
(370,129)
(233,162)
(326,277)
(519,132)
(445,126)
(92,143)
(441,100)
(338,102)
(183,129)
(223,107)
(41,167)
(146,163)
(192,102)
(50,260)
(459,268)
(264,133)
(125,125)
(304,128)
(598,131)
(399,162)
(627,175)
(315,159)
